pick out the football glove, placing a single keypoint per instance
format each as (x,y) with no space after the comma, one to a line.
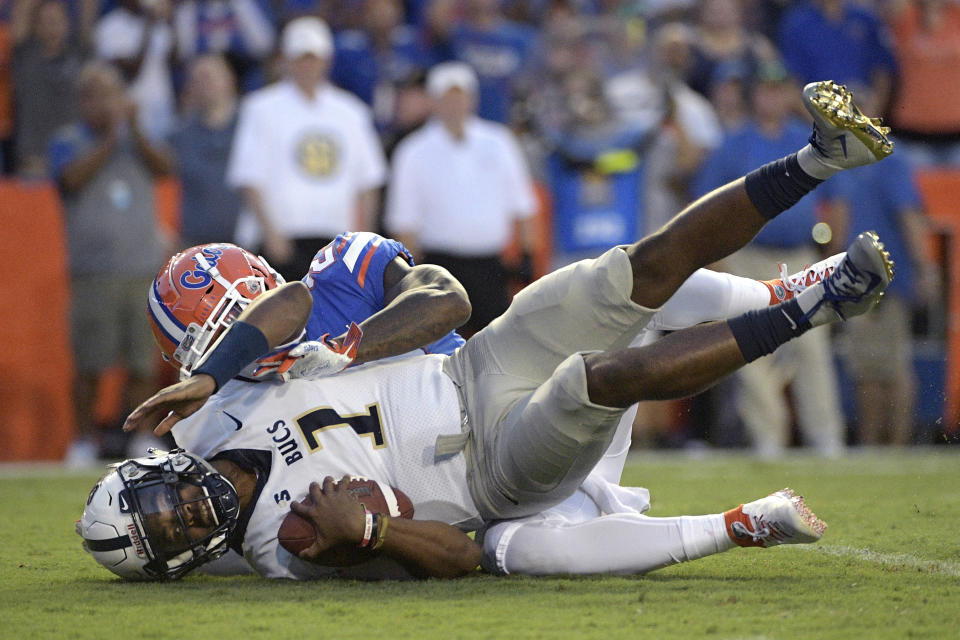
(313,358)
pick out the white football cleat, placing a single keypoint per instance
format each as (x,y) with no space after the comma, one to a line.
(843,137)
(780,518)
(857,284)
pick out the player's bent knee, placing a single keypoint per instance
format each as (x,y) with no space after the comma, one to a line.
(657,271)
(605,380)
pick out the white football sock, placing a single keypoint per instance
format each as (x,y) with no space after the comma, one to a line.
(709,295)
(704,535)
(623,543)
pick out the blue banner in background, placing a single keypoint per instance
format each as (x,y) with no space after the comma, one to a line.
(594,211)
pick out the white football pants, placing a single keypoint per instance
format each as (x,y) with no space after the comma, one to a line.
(600,528)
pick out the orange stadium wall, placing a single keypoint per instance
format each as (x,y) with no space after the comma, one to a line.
(36,362)
(940,190)
(36,366)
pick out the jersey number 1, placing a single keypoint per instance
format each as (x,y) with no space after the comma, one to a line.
(364,424)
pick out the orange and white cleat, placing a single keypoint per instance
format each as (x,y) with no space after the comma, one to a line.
(780,518)
(789,285)
(856,285)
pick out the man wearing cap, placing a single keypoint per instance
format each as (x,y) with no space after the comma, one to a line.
(461,191)
(305,157)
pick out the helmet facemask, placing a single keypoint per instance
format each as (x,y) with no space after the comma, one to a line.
(200,340)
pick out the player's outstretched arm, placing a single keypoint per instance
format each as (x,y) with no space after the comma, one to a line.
(422,304)
(279,315)
(425,548)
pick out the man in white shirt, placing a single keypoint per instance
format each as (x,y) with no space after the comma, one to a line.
(305,157)
(460,192)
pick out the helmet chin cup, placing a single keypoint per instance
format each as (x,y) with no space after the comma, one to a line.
(186,352)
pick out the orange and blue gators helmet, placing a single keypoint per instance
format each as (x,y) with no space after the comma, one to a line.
(198,294)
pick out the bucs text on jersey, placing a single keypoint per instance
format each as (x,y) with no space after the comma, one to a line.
(379,420)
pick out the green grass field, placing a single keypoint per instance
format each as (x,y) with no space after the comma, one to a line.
(888,567)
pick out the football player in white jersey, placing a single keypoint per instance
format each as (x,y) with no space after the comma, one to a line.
(359,275)
(540,390)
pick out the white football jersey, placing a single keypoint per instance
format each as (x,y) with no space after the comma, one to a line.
(379,420)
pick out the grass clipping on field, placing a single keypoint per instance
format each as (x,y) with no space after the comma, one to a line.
(888,567)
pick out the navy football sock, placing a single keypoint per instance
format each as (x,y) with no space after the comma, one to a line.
(760,331)
(778,185)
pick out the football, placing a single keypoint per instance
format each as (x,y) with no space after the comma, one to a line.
(297,533)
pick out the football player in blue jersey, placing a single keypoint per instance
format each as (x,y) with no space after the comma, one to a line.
(357,278)
(359,275)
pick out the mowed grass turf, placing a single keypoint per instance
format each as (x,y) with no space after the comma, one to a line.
(888,567)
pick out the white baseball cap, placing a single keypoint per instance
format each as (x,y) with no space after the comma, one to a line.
(451,75)
(307,35)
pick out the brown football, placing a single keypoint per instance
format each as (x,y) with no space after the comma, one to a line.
(297,533)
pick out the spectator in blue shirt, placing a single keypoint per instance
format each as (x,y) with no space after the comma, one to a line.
(807,366)
(438,19)
(500,51)
(371,62)
(840,40)
(722,38)
(240,30)
(208,207)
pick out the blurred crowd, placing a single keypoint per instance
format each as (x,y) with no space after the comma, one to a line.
(449,123)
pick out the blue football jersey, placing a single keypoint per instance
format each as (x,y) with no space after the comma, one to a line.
(346,282)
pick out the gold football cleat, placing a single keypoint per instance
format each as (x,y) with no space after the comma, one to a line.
(832,106)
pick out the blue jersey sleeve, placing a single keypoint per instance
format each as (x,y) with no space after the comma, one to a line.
(346,283)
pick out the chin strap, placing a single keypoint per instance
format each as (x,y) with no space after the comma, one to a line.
(213,271)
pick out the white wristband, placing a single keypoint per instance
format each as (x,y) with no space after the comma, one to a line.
(367,529)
